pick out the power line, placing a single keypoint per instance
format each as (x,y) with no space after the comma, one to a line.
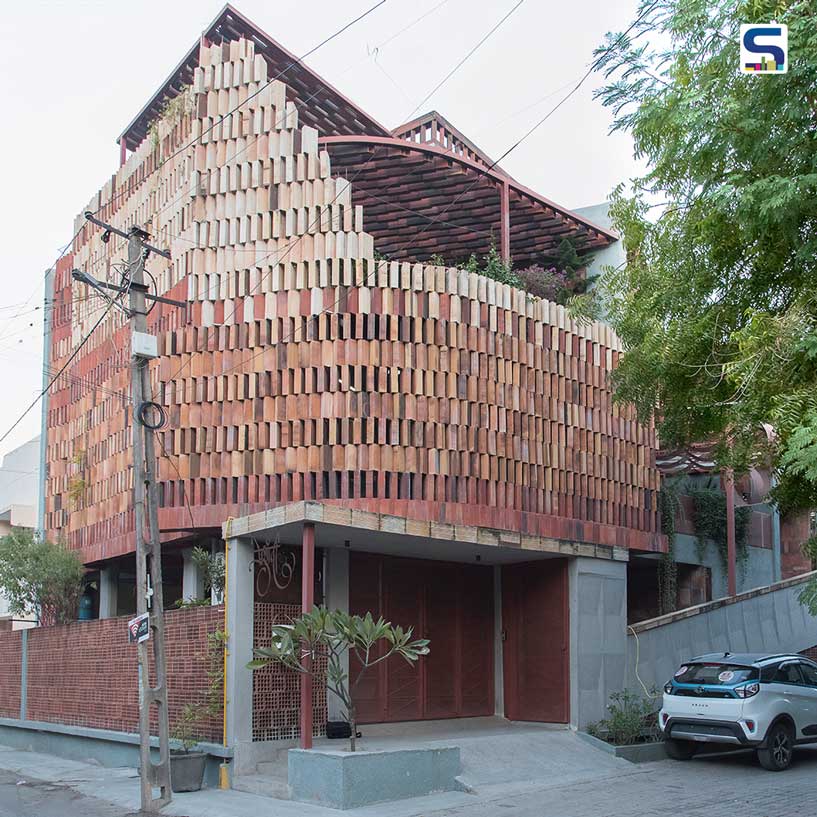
(463,60)
(593,65)
(47,270)
(53,379)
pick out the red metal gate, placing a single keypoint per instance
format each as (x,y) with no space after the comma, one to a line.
(535,653)
(452,605)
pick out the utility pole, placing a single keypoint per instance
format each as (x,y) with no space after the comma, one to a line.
(149,597)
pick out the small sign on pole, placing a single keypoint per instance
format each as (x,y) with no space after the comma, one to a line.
(139,629)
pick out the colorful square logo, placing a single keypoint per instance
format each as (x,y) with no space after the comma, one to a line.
(764,49)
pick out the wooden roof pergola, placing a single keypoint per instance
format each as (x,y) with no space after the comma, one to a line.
(420,199)
(319,104)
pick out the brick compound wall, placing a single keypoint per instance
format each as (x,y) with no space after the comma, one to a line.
(11,651)
(84,674)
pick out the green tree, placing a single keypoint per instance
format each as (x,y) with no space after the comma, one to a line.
(339,636)
(40,577)
(717,302)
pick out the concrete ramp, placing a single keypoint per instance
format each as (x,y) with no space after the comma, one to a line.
(527,754)
(766,619)
(499,753)
(496,755)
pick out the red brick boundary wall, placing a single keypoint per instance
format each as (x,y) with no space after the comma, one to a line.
(11,652)
(84,674)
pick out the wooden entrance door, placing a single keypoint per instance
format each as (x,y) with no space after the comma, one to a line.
(450,604)
(535,654)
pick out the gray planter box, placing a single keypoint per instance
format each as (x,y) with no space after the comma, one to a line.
(345,780)
(636,753)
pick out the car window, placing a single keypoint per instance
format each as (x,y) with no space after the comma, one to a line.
(809,674)
(714,673)
(768,672)
(788,674)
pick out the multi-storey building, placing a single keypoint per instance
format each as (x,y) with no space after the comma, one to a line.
(449,443)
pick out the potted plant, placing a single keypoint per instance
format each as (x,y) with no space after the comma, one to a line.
(187,767)
(338,635)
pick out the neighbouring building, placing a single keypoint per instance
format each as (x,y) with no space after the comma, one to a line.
(445,447)
(18,497)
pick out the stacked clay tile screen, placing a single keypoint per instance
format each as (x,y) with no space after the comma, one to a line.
(305,365)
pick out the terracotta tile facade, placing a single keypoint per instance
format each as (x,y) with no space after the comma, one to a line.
(305,369)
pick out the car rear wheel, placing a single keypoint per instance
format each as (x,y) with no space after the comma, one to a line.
(777,753)
(680,749)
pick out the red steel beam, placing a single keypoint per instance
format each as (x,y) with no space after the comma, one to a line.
(307,603)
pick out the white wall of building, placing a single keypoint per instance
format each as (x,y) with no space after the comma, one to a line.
(18,500)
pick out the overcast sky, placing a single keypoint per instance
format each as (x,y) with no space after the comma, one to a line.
(77,72)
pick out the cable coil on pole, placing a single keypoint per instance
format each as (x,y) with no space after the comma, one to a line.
(143,415)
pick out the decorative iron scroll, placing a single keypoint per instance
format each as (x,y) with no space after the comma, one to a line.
(274,565)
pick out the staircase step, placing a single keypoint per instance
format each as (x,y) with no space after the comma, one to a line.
(263,785)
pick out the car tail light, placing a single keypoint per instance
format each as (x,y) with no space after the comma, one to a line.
(750,725)
(664,718)
(668,687)
(747,690)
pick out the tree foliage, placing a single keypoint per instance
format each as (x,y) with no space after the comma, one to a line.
(717,302)
(40,577)
(339,635)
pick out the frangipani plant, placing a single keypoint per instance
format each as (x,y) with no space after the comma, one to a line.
(337,634)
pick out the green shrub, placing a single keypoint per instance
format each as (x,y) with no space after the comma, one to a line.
(632,719)
(40,577)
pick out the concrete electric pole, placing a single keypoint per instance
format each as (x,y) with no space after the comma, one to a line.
(149,597)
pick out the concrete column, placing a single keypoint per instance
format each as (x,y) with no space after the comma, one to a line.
(42,476)
(337,598)
(499,645)
(24,675)
(192,580)
(108,589)
(239,626)
(598,635)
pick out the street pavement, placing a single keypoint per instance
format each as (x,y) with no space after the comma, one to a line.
(36,798)
(723,786)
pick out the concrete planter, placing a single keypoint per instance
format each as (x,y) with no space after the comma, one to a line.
(345,780)
(187,770)
(635,753)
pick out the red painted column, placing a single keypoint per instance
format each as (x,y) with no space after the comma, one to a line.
(123,152)
(731,556)
(307,603)
(505,221)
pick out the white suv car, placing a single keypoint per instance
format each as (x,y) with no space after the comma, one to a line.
(766,702)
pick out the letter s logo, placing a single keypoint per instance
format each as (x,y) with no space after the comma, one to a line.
(772,51)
